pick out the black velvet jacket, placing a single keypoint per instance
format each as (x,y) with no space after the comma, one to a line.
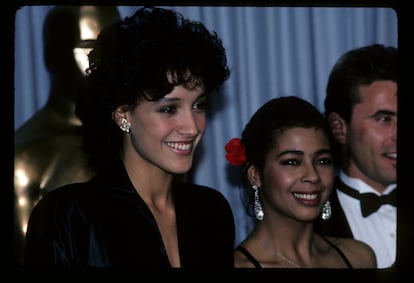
(105,223)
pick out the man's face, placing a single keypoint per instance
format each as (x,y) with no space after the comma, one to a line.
(372,135)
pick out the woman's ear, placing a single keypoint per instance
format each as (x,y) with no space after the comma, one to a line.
(118,114)
(254,176)
(338,127)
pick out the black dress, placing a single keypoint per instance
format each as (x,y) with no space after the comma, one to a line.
(105,223)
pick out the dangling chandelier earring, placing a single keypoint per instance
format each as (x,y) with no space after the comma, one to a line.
(125,126)
(326,210)
(258,210)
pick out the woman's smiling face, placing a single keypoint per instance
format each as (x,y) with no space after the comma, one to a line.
(298,174)
(165,133)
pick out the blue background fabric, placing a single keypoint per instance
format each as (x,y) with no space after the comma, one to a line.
(272,51)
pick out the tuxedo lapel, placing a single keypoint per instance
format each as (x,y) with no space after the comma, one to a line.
(336,225)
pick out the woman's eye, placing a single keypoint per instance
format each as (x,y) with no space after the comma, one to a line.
(290,162)
(200,105)
(325,161)
(168,109)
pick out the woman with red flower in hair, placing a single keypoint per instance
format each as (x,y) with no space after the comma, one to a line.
(287,165)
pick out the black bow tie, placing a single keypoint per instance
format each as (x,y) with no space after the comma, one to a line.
(370,202)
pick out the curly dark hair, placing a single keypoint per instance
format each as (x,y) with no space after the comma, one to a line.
(144,57)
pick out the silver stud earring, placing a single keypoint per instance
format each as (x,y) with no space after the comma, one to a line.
(326,210)
(125,126)
(258,209)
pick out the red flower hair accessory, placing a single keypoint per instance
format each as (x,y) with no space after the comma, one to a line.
(235,152)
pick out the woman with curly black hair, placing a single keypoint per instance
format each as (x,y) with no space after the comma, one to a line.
(149,79)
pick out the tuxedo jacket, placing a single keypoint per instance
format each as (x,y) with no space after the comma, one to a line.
(336,225)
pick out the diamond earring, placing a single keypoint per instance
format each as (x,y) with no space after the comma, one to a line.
(326,210)
(125,126)
(258,209)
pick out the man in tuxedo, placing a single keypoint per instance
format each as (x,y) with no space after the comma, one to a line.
(48,147)
(361,109)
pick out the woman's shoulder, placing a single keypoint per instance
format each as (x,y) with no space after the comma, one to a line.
(350,243)
(67,192)
(205,192)
(213,198)
(207,201)
(360,254)
(65,196)
(243,258)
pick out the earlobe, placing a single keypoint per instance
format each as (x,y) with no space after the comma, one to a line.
(118,114)
(253,176)
(338,127)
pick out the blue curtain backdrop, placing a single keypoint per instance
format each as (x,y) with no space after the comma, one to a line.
(272,51)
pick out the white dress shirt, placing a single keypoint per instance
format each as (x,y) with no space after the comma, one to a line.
(379,229)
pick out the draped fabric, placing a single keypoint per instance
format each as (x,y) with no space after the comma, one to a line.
(272,51)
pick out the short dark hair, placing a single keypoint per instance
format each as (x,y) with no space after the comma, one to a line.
(361,66)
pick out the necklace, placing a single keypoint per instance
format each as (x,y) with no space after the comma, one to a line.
(266,246)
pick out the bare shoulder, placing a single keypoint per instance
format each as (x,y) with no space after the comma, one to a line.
(359,254)
(241,261)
